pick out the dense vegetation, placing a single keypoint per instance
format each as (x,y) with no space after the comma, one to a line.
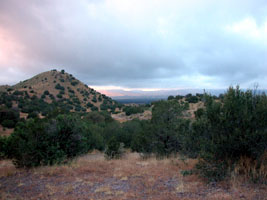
(223,132)
(230,130)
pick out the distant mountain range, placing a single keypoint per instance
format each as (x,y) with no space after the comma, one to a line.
(139,96)
(159,93)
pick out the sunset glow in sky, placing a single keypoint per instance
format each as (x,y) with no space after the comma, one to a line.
(146,45)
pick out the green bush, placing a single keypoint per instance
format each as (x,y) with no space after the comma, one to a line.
(170,97)
(94,108)
(38,142)
(16,92)
(94,99)
(142,140)
(128,132)
(178,97)
(94,117)
(165,134)
(103,107)
(192,99)
(8,123)
(168,127)
(129,110)
(51,96)
(59,87)
(9,117)
(232,129)
(46,92)
(74,83)
(114,149)
(33,114)
(59,96)
(89,105)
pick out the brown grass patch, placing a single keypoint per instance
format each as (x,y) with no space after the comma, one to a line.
(5,131)
(132,177)
(7,168)
(122,117)
(248,169)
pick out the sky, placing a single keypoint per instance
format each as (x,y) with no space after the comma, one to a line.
(147,45)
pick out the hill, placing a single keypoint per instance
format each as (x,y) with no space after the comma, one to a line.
(49,94)
(58,86)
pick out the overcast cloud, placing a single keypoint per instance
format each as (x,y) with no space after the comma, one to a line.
(137,43)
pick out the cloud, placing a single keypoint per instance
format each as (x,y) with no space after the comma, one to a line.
(136,44)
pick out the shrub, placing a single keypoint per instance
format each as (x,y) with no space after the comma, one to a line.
(232,129)
(165,134)
(33,114)
(8,123)
(74,83)
(191,99)
(9,104)
(114,149)
(94,108)
(94,117)
(37,142)
(78,108)
(94,99)
(103,106)
(51,96)
(18,92)
(89,105)
(199,113)
(170,97)
(178,97)
(169,127)
(59,87)
(46,92)
(129,131)
(71,91)
(143,139)
(129,110)
(9,114)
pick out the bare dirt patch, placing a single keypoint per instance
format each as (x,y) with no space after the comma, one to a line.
(5,131)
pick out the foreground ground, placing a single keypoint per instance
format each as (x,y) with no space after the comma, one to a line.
(93,177)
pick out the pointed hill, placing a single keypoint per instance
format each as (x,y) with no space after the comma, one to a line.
(56,88)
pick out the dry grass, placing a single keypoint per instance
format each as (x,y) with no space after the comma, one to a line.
(122,117)
(7,168)
(193,107)
(247,169)
(93,177)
